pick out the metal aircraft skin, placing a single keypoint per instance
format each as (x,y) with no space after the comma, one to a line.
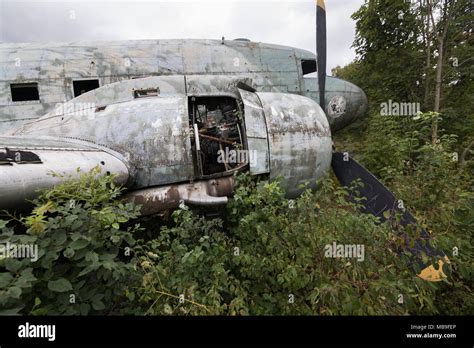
(58,72)
(152,140)
(163,134)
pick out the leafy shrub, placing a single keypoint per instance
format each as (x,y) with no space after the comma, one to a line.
(81,266)
(435,187)
(264,255)
(267,256)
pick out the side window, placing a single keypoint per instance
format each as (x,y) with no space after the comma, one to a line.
(24,91)
(83,86)
(308,66)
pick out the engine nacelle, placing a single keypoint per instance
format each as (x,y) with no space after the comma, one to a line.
(292,137)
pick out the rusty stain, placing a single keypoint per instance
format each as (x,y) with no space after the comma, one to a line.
(203,193)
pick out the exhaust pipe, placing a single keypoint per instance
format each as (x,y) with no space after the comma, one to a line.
(211,192)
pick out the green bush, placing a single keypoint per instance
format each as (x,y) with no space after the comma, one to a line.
(264,255)
(82,265)
(434,186)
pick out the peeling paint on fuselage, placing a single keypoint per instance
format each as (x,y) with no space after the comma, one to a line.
(152,134)
(54,66)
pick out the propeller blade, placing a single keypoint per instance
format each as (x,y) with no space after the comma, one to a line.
(321,49)
(378,200)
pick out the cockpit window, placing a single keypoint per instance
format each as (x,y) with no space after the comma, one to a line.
(308,66)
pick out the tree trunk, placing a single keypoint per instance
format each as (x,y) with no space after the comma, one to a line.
(427,39)
(437,99)
(445,20)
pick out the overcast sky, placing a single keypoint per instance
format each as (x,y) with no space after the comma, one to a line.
(290,22)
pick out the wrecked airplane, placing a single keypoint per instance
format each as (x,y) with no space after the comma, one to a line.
(162,136)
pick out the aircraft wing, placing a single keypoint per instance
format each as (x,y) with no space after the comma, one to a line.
(26,165)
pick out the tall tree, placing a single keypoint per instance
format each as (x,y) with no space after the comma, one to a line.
(389,50)
(417,51)
(440,28)
(425,10)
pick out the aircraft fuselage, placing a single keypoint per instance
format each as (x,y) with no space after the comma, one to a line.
(36,77)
